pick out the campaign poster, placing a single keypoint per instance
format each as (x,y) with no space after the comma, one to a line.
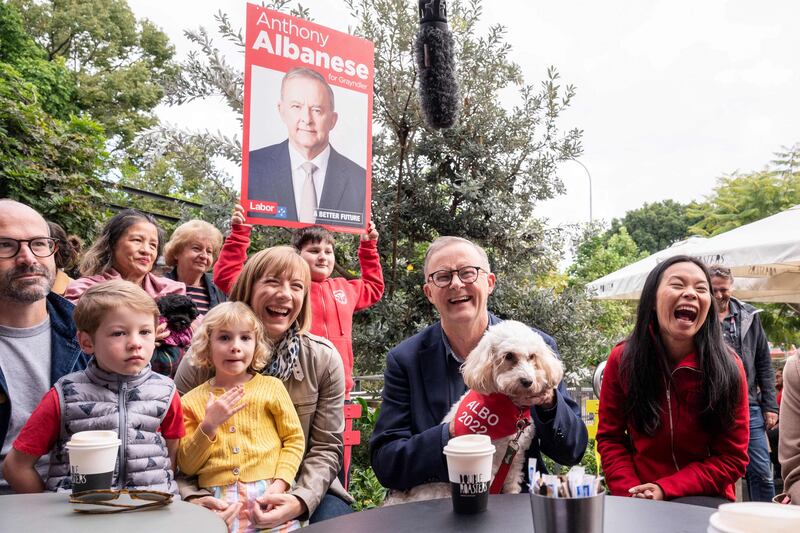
(307,139)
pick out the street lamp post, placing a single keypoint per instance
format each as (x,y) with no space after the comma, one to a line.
(590,186)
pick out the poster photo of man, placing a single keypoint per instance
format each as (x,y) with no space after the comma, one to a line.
(307,130)
(304,172)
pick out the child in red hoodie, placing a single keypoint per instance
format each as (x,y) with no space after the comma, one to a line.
(333,300)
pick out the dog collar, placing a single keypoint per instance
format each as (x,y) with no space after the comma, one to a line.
(489,414)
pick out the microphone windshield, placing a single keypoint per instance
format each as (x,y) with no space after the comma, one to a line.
(440,100)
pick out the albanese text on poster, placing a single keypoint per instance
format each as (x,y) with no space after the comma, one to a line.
(307,147)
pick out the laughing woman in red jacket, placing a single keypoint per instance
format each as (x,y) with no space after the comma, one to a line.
(673,404)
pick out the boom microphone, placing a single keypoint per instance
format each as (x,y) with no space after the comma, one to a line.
(440,100)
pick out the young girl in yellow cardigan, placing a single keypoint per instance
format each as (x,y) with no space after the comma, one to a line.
(243,437)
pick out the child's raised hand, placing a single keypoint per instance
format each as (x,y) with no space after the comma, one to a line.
(238,215)
(371,234)
(218,410)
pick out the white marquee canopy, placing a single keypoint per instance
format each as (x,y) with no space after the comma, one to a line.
(764,257)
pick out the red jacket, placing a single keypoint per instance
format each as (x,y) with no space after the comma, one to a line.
(333,301)
(683,457)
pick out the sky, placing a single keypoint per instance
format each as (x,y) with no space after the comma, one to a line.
(671,94)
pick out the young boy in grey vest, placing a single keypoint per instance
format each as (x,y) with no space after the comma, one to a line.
(118,391)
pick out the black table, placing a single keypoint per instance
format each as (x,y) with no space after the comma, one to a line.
(511,513)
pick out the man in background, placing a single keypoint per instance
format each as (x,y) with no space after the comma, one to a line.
(743,332)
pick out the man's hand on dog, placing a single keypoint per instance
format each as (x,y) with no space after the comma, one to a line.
(546,400)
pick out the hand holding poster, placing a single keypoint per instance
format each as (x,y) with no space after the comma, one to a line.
(307,147)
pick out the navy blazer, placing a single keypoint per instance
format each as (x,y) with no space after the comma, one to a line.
(65,354)
(419,384)
(270,179)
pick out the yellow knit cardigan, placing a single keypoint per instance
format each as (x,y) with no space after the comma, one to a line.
(262,441)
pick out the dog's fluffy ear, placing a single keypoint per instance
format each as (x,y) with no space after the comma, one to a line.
(477,369)
(552,366)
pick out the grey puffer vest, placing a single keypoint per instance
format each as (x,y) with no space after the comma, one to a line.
(94,399)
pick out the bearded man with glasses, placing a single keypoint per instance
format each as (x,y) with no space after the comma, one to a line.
(423,379)
(38,341)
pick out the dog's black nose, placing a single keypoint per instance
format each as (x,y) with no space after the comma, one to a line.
(525,382)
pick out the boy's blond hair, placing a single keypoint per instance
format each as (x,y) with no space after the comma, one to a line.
(99,299)
(230,315)
(276,261)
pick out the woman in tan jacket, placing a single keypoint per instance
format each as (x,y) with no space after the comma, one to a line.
(789,445)
(275,284)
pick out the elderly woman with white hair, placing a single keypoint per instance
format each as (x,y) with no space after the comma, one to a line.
(192,250)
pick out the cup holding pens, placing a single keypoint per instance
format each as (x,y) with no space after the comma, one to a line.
(568,515)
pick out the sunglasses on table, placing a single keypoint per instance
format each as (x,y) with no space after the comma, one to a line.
(107,497)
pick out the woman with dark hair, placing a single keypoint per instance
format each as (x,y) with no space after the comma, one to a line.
(127,249)
(66,257)
(674,419)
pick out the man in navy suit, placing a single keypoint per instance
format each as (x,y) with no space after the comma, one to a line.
(309,180)
(422,378)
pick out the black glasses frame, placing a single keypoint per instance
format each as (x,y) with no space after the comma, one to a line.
(456,271)
(53,245)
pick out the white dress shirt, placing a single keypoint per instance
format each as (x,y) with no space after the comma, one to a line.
(299,175)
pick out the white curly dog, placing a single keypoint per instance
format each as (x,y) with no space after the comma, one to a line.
(510,360)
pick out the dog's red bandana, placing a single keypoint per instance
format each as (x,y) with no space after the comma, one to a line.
(494,415)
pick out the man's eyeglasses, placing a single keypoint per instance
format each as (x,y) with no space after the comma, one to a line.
(108,497)
(467,275)
(40,246)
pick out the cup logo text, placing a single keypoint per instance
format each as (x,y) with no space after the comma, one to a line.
(77,477)
(472,484)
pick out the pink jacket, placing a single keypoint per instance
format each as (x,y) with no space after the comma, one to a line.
(153,285)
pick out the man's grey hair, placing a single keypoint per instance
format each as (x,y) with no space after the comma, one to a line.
(310,74)
(720,271)
(444,242)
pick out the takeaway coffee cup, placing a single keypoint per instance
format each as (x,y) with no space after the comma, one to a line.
(92,457)
(568,515)
(469,467)
(755,517)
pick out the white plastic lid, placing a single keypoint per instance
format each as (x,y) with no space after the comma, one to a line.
(469,445)
(93,438)
(756,517)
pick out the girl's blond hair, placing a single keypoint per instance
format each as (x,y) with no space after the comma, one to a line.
(277,261)
(230,315)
